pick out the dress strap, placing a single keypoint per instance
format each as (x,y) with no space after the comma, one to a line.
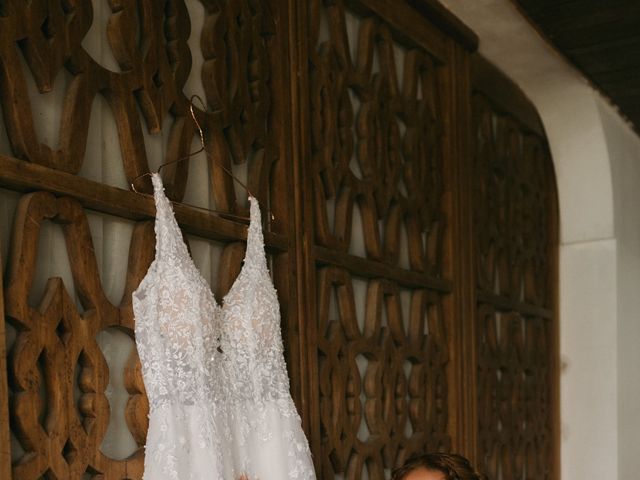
(168,234)
(255,254)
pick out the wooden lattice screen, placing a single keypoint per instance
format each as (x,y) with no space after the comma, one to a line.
(515,233)
(381,234)
(409,215)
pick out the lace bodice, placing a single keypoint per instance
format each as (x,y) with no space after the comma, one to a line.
(175,316)
(250,337)
(223,365)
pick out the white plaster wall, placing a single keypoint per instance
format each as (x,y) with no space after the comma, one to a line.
(597,161)
(588,342)
(624,154)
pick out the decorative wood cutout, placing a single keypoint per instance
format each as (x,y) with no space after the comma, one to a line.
(56,351)
(376,140)
(512,200)
(149,41)
(395,136)
(49,35)
(236,76)
(387,375)
(512,213)
(514,395)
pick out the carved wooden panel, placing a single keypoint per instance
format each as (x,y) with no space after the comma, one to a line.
(514,240)
(148,40)
(59,376)
(376,140)
(382,378)
(512,200)
(348,119)
(56,351)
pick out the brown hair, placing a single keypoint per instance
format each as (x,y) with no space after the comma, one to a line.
(452,465)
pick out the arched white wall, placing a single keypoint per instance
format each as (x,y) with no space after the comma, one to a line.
(624,153)
(597,162)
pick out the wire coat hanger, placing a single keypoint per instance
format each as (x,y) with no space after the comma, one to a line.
(201,149)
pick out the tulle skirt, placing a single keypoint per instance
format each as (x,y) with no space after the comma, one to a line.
(262,442)
(267,443)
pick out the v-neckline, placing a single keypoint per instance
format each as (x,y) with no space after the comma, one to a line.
(223,303)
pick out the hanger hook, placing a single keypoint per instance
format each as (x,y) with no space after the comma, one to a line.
(201,149)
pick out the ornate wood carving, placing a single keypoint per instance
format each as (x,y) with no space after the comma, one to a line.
(376,141)
(57,372)
(514,240)
(148,39)
(382,379)
(236,75)
(56,350)
(376,146)
(362,95)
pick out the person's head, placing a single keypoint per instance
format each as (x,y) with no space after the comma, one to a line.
(437,466)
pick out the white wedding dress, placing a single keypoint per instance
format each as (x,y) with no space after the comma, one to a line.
(215,375)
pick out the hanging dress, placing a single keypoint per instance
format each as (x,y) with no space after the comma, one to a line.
(215,375)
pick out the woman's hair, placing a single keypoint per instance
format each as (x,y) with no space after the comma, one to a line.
(452,465)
